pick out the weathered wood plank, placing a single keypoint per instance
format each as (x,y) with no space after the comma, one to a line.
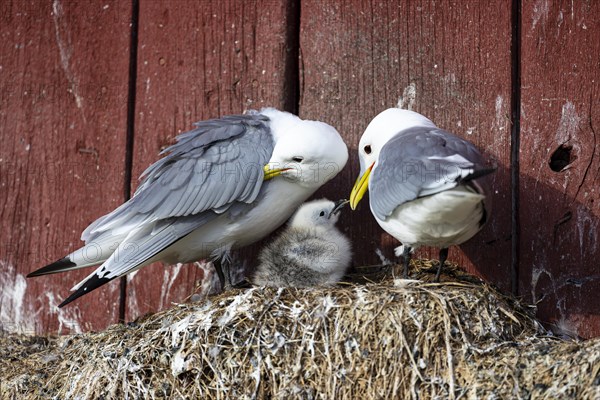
(449,61)
(63,93)
(200,60)
(560,162)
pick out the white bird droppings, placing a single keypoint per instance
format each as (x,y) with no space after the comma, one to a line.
(408,98)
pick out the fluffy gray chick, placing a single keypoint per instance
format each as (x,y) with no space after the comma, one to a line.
(311,251)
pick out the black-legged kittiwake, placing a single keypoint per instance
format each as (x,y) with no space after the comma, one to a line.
(426,185)
(311,251)
(226,184)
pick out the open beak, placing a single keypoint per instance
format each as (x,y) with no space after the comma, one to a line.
(360,187)
(271,173)
(338,205)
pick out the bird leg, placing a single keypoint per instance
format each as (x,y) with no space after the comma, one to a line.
(443,257)
(406,259)
(221,265)
(219,270)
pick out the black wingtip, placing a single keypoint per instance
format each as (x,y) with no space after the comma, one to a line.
(92,283)
(478,173)
(63,264)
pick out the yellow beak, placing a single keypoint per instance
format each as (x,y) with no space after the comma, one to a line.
(271,173)
(360,187)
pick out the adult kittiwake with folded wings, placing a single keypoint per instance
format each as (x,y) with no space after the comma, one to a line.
(427,186)
(226,184)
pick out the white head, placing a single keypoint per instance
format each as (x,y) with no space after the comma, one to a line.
(308,153)
(379,131)
(317,213)
(384,127)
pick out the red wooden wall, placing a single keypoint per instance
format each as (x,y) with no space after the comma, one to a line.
(472,67)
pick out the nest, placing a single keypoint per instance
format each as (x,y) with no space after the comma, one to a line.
(393,339)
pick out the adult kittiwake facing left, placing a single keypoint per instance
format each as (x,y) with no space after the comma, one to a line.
(226,184)
(427,187)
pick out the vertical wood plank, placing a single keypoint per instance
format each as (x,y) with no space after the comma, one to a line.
(560,163)
(448,60)
(200,60)
(63,93)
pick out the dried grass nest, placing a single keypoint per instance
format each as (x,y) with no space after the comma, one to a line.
(456,339)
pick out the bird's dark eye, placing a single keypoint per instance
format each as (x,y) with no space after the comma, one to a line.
(368,149)
(297,159)
(322,214)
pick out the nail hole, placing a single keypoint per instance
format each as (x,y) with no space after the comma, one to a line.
(561,158)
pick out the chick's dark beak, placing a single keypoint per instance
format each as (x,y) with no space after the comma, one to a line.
(338,205)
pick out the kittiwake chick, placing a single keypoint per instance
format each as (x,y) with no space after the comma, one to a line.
(311,251)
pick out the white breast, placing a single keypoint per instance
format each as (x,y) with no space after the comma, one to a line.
(442,220)
(279,202)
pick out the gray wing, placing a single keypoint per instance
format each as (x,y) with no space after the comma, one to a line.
(141,245)
(216,166)
(209,168)
(420,162)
